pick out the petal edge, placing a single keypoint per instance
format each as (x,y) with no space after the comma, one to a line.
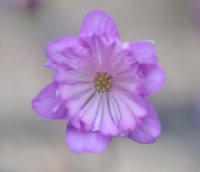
(148,129)
(47,105)
(80,141)
(98,22)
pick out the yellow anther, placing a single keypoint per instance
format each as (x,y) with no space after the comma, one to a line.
(102,83)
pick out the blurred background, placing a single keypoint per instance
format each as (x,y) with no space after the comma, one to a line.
(29,144)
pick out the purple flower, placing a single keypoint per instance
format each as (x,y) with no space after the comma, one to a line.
(100,86)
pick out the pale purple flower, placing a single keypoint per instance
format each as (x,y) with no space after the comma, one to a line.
(100,86)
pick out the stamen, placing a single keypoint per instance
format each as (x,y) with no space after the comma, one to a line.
(102,83)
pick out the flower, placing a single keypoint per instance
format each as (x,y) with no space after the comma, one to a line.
(100,86)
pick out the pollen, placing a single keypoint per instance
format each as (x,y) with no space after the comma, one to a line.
(102,83)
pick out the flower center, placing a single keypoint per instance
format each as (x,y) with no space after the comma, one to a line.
(102,83)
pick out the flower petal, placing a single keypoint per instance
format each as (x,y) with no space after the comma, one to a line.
(148,128)
(121,59)
(98,22)
(62,75)
(78,102)
(101,53)
(128,108)
(126,81)
(108,124)
(144,52)
(89,114)
(81,141)
(93,115)
(54,49)
(72,92)
(47,105)
(152,77)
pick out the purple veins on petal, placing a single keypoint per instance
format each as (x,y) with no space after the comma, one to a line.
(108,126)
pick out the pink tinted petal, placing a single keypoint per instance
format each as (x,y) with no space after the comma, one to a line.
(98,116)
(121,60)
(88,114)
(75,91)
(47,105)
(76,104)
(94,116)
(62,75)
(148,128)
(126,81)
(152,78)
(98,22)
(127,118)
(101,53)
(114,110)
(108,126)
(135,104)
(54,49)
(96,47)
(144,52)
(81,141)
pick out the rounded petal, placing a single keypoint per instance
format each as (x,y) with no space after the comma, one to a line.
(144,52)
(152,77)
(81,141)
(148,128)
(47,105)
(98,22)
(54,49)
